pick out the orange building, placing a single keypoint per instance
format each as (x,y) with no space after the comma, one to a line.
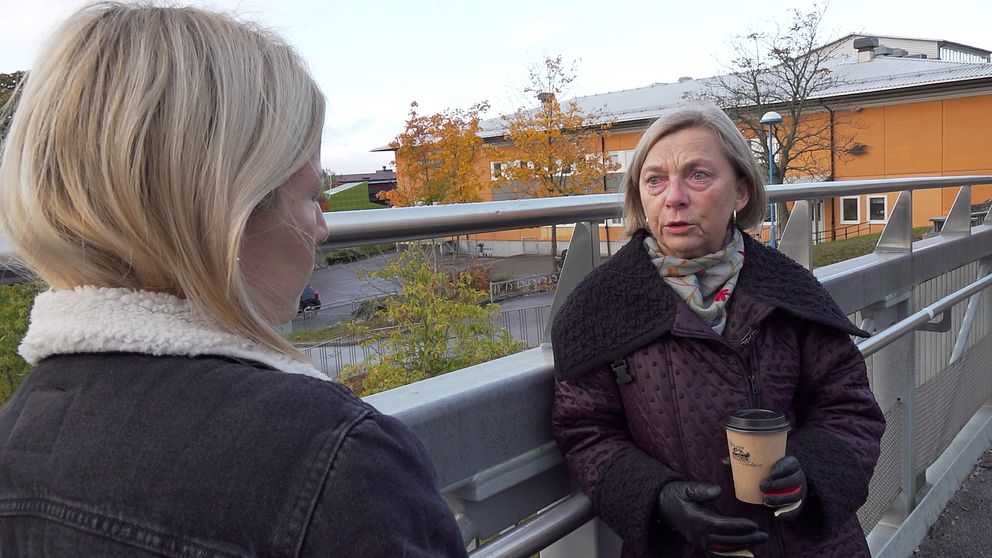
(914,107)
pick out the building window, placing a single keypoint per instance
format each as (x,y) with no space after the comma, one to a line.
(495,170)
(877,209)
(850,210)
(622,158)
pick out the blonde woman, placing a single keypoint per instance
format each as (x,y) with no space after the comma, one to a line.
(161,174)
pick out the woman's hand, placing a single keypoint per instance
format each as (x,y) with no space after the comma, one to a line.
(785,488)
(680,507)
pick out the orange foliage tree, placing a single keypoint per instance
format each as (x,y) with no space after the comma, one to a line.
(436,158)
(555,147)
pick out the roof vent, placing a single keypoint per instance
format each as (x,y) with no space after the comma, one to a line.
(865,43)
(865,47)
(882,51)
(684,79)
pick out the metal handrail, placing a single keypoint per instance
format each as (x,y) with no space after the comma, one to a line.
(540,533)
(912,322)
(357,228)
(820,190)
(353,228)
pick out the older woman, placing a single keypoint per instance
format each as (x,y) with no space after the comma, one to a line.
(162,174)
(689,321)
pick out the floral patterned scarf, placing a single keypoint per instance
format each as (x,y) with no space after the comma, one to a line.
(704,283)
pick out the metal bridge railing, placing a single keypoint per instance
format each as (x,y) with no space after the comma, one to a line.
(500,466)
(487,426)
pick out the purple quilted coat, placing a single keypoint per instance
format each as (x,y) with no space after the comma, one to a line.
(643,386)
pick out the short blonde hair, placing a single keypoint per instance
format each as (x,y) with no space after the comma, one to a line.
(735,148)
(143,140)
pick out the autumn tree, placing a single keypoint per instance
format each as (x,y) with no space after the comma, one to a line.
(555,146)
(436,158)
(8,86)
(437,325)
(786,71)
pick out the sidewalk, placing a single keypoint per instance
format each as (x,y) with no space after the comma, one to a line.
(964,528)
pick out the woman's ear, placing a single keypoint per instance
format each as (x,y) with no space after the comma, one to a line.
(743,194)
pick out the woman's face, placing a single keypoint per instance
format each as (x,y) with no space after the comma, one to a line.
(689,190)
(278,251)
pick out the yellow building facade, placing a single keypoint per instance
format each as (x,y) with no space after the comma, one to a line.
(908,116)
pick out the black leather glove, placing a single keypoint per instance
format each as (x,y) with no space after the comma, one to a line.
(680,507)
(785,488)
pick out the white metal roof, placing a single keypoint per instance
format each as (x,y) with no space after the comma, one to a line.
(878,74)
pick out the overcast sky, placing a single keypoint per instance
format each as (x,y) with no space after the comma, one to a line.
(372,58)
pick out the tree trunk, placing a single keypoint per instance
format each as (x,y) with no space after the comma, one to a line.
(781,217)
(554,248)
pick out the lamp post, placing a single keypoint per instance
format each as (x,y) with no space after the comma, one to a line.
(770,119)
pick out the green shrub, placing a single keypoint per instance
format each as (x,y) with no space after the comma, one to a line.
(438,326)
(15,308)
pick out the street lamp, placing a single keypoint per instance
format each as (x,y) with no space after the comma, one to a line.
(770,119)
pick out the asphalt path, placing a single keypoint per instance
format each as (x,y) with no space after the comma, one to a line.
(343,282)
(964,528)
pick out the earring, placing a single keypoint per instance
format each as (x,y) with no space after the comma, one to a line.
(734,218)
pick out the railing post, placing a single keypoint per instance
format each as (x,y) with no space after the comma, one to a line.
(894,386)
(958,220)
(583,256)
(797,237)
(897,236)
(894,368)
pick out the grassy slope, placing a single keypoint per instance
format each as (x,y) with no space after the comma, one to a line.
(832,252)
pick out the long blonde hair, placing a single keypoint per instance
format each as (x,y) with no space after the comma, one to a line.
(143,140)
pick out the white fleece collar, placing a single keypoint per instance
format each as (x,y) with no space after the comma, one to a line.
(98,320)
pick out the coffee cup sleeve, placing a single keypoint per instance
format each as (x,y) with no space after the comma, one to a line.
(787,508)
(745,553)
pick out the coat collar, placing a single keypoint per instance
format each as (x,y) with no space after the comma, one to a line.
(104,320)
(623,304)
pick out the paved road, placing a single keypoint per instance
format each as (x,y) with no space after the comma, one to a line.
(343,282)
(964,528)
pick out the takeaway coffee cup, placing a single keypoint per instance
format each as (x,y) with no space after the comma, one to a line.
(756,439)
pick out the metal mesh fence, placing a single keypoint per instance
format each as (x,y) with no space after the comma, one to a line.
(946,396)
(886,483)
(945,403)
(934,348)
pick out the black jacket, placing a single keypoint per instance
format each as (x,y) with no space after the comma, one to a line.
(125,454)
